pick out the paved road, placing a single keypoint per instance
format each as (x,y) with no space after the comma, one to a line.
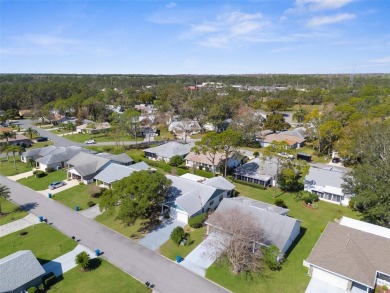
(131,257)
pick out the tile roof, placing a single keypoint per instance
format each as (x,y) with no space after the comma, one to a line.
(170,149)
(277,228)
(18,269)
(351,253)
(115,172)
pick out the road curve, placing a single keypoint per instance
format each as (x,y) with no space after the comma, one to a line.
(134,259)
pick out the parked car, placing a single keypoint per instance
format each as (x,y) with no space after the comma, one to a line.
(55,185)
(286,155)
(42,138)
(91,141)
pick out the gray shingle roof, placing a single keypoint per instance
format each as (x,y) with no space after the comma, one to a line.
(258,169)
(87,164)
(325,177)
(40,151)
(191,196)
(18,269)
(261,205)
(170,149)
(115,172)
(277,228)
(354,254)
(219,182)
(121,158)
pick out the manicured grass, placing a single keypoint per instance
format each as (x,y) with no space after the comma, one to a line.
(99,137)
(293,276)
(7,168)
(75,196)
(170,250)
(117,225)
(43,183)
(41,144)
(44,241)
(104,278)
(197,136)
(164,134)
(308,149)
(11,212)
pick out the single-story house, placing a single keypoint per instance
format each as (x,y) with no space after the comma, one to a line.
(191,127)
(51,156)
(279,229)
(85,166)
(294,142)
(19,271)
(5,129)
(19,139)
(258,171)
(96,128)
(167,150)
(115,172)
(347,259)
(326,181)
(187,198)
(203,161)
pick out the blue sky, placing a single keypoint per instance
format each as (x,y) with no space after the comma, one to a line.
(194,37)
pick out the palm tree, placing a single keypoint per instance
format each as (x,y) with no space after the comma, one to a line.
(7,135)
(299,115)
(4,194)
(16,150)
(82,260)
(30,131)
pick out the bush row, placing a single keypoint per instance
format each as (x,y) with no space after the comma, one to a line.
(254,185)
(197,221)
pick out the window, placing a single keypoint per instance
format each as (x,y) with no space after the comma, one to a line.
(220,197)
(211,203)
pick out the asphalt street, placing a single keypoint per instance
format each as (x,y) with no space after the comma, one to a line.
(134,259)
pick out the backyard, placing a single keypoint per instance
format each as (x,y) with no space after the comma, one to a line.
(11,212)
(76,196)
(170,249)
(293,276)
(104,278)
(43,183)
(44,241)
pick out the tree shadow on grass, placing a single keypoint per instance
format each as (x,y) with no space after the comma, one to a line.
(296,241)
(94,264)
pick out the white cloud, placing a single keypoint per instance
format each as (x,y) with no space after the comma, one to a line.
(329,19)
(171,5)
(322,4)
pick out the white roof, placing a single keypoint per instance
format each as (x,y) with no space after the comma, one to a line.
(193,177)
(170,149)
(365,227)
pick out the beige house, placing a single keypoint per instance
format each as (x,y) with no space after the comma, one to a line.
(93,127)
(204,161)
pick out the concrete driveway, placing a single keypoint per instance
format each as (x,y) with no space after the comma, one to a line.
(199,260)
(161,234)
(68,184)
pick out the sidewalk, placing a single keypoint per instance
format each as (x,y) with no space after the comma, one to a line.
(17,225)
(66,262)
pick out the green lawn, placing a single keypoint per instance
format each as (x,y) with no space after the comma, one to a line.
(164,134)
(11,212)
(128,231)
(309,150)
(293,276)
(44,241)
(99,137)
(170,250)
(104,278)
(42,183)
(75,196)
(41,144)
(9,169)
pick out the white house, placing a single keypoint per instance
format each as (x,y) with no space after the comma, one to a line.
(167,150)
(204,161)
(349,259)
(187,198)
(258,171)
(326,181)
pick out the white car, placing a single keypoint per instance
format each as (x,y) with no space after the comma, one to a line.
(286,155)
(91,141)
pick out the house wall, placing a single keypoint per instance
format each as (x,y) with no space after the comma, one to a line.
(294,234)
(33,283)
(330,278)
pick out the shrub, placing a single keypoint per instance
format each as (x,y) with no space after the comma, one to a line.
(176,161)
(271,257)
(40,174)
(202,173)
(384,287)
(256,154)
(197,221)
(49,169)
(91,203)
(280,203)
(49,280)
(32,290)
(81,183)
(351,203)
(23,233)
(82,260)
(254,185)
(177,235)
(35,172)
(189,240)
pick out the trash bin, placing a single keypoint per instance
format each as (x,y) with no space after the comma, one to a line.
(77,208)
(97,252)
(49,195)
(40,218)
(178,259)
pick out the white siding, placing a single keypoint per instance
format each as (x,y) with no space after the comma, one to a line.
(177,214)
(294,233)
(332,279)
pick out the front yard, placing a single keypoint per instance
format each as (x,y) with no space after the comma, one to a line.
(170,250)
(293,276)
(8,168)
(43,183)
(11,212)
(41,144)
(76,196)
(104,278)
(99,137)
(44,241)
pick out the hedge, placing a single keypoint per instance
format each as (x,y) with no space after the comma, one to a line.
(197,221)
(49,280)
(254,185)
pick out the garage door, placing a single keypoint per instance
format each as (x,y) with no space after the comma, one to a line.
(330,278)
(183,217)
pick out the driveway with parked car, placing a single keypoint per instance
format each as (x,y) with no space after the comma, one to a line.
(55,185)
